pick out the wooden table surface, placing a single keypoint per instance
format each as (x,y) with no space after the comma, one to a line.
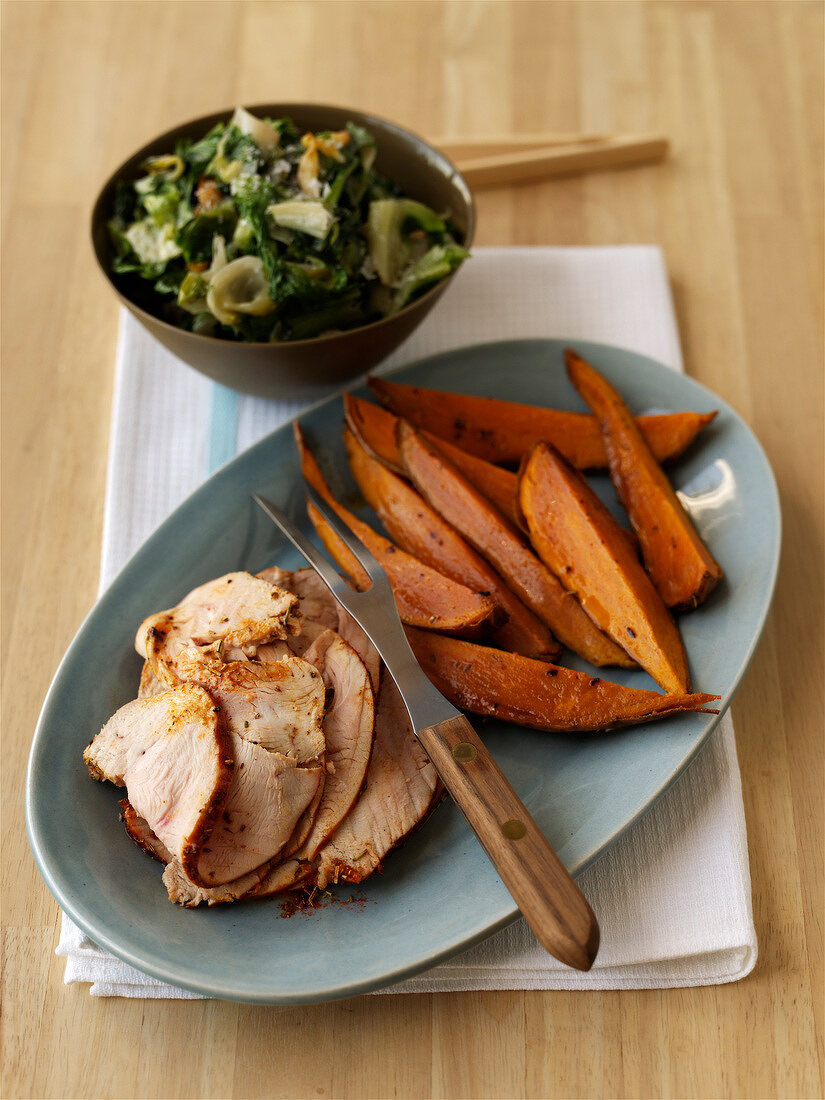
(738,211)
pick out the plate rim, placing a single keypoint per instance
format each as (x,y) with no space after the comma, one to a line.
(100,936)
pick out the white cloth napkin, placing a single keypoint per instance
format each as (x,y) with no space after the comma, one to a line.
(673,894)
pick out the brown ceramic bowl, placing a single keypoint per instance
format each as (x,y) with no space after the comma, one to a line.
(300,368)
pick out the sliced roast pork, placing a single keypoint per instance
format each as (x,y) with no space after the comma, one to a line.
(138,829)
(348,731)
(230,616)
(184,892)
(274,651)
(279,704)
(401,788)
(149,683)
(319,607)
(268,794)
(175,759)
(305,822)
(315,600)
(291,874)
(180,887)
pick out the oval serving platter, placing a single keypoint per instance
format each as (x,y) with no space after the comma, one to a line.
(438,894)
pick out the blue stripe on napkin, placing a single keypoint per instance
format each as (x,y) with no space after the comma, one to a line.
(223,427)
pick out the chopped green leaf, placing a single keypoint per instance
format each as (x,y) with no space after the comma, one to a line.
(232,247)
(195,236)
(436,264)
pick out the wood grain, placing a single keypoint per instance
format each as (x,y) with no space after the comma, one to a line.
(737,87)
(575,158)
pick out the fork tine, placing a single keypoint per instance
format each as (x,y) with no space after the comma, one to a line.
(316,559)
(375,570)
(376,612)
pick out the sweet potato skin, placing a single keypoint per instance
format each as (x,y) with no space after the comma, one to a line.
(578,539)
(449,492)
(680,565)
(515,689)
(338,550)
(424,597)
(494,482)
(375,429)
(418,529)
(501,431)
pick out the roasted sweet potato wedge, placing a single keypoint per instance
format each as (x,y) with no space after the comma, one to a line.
(680,565)
(501,431)
(531,693)
(494,482)
(424,597)
(579,540)
(375,430)
(418,529)
(497,540)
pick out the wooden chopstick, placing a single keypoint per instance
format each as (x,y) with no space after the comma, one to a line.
(490,145)
(589,155)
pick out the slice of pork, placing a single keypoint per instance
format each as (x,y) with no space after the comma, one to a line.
(279,704)
(349,726)
(184,892)
(175,759)
(228,617)
(348,730)
(320,611)
(318,606)
(344,726)
(292,874)
(180,887)
(268,794)
(306,820)
(138,829)
(400,789)
(315,599)
(149,683)
(274,651)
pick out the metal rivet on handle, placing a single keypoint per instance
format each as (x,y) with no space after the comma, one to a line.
(514,830)
(464,752)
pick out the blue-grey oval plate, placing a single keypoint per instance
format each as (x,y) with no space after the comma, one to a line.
(438,893)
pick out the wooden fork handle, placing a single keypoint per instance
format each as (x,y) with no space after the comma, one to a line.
(541,886)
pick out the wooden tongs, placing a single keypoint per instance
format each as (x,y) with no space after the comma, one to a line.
(495,161)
